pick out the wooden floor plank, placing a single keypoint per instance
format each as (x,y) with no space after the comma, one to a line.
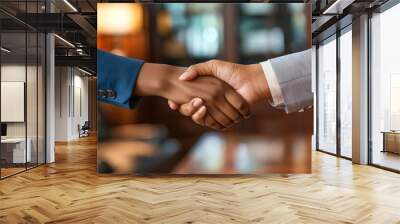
(70,191)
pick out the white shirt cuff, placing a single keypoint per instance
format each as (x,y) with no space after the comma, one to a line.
(274,88)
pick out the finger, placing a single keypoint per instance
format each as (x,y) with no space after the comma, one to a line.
(238,102)
(210,122)
(173,105)
(199,116)
(188,109)
(225,107)
(220,116)
(189,74)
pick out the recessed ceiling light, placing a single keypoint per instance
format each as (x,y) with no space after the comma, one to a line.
(64,40)
(84,71)
(337,7)
(70,5)
(5,50)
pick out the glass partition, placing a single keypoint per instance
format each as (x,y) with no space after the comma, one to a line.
(14,151)
(22,92)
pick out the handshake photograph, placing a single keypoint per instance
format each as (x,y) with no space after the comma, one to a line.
(189,112)
(204,88)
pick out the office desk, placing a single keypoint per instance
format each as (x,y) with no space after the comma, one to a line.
(13,150)
(391,141)
(217,153)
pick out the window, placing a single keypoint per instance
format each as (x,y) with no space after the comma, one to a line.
(385,89)
(327,96)
(346,94)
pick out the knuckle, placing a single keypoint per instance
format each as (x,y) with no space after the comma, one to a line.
(207,97)
(194,68)
(220,128)
(213,61)
(209,122)
(212,95)
(198,118)
(236,118)
(215,126)
(243,106)
(185,111)
(224,121)
(197,121)
(219,84)
(215,93)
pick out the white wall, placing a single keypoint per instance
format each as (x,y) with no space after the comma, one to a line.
(61,103)
(71,102)
(12,73)
(80,110)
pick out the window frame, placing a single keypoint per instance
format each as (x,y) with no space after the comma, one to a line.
(333,37)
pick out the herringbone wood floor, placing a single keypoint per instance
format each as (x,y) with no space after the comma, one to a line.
(70,191)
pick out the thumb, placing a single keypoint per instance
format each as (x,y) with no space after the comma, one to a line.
(189,74)
(205,68)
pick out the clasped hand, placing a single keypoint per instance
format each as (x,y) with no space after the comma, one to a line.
(216,94)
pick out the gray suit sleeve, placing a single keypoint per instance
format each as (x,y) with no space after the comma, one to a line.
(293,73)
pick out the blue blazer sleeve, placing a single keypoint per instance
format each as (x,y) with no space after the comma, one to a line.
(116,79)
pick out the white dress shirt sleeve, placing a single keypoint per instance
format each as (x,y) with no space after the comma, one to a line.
(274,88)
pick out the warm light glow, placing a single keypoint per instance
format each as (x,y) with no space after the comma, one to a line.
(164,22)
(118,19)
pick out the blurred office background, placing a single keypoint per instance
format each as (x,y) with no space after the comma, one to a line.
(162,141)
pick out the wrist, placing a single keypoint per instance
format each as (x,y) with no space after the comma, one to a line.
(259,79)
(153,80)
